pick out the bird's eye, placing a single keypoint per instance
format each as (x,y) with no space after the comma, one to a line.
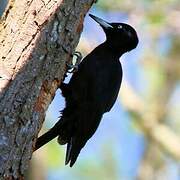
(120,27)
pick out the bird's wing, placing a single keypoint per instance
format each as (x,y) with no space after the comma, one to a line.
(105,84)
(94,90)
(86,122)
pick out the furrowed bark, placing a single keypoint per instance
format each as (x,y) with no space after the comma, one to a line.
(37,38)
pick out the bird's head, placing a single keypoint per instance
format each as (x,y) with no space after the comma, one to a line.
(120,36)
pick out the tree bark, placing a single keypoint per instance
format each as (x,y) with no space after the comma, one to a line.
(37,38)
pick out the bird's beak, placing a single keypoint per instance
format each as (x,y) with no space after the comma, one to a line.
(100,21)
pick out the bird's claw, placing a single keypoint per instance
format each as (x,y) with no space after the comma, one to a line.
(73,67)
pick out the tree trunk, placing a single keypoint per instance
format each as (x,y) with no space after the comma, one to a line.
(37,38)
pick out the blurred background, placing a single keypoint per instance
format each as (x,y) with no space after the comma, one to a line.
(140,137)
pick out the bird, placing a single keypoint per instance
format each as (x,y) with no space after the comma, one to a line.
(92,89)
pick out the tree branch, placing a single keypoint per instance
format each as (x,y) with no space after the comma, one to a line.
(148,122)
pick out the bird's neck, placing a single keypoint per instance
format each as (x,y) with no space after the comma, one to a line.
(117,52)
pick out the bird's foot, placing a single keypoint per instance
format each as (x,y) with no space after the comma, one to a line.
(73,67)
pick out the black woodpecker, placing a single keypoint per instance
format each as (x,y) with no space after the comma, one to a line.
(92,90)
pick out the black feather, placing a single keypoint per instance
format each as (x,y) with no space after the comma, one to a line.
(93,89)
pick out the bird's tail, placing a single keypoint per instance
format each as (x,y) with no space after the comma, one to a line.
(62,129)
(73,149)
(85,124)
(74,129)
(45,138)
